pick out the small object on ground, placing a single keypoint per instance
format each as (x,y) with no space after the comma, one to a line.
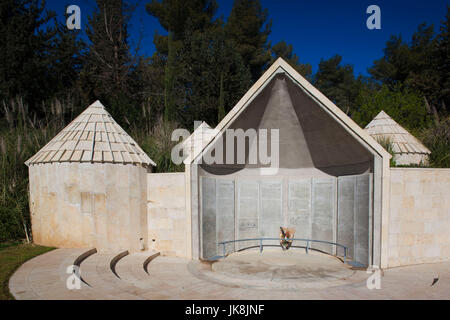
(286,236)
(434,281)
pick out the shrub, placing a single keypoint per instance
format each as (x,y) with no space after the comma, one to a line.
(437,139)
(387,144)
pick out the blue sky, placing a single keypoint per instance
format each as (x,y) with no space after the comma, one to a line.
(316,28)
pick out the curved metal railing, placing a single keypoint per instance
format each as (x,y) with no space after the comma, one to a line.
(261,245)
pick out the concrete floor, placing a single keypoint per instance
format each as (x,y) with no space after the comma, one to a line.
(274,268)
(44,277)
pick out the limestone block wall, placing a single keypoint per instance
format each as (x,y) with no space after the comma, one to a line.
(411,158)
(82,205)
(166,209)
(419,219)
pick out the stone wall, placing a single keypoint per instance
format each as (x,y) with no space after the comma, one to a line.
(411,158)
(419,219)
(166,209)
(84,205)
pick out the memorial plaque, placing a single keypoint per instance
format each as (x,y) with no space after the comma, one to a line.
(324,199)
(299,207)
(247,215)
(362,198)
(346,214)
(270,214)
(209,213)
(225,213)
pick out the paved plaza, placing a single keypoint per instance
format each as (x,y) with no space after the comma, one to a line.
(45,277)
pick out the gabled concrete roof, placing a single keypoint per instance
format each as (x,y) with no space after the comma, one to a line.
(95,137)
(383,126)
(281,66)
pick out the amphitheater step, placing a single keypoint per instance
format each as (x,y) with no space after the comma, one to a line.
(131,268)
(45,276)
(96,271)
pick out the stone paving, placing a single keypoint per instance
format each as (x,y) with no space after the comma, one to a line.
(45,276)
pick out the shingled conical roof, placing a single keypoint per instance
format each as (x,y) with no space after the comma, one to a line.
(383,126)
(92,137)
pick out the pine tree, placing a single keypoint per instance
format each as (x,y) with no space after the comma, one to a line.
(247,27)
(66,60)
(24,48)
(443,58)
(210,58)
(180,19)
(338,83)
(109,61)
(221,112)
(203,73)
(419,65)
(285,51)
(169,81)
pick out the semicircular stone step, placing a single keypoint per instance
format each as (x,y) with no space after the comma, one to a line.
(103,284)
(44,277)
(131,269)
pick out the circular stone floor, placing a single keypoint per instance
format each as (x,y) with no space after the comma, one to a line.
(277,269)
(45,277)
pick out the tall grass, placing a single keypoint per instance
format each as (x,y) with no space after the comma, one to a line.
(157,143)
(386,143)
(23,133)
(437,139)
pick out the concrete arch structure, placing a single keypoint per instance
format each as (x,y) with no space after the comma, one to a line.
(319,146)
(91,185)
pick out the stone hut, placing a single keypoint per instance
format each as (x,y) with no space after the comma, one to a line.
(408,150)
(88,187)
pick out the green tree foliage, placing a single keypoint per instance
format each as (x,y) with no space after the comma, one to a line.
(437,139)
(338,83)
(149,74)
(443,64)
(203,71)
(109,60)
(286,51)
(200,69)
(169,80)
(404,106)
(387,144)
(213,62)
(23,47)
(421,65)
(38,58)
(110,72)
(417,72)
(22,134)
(248,29)
(221,111)
(176,15)
(394,66)
(66,61)
(179,18)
